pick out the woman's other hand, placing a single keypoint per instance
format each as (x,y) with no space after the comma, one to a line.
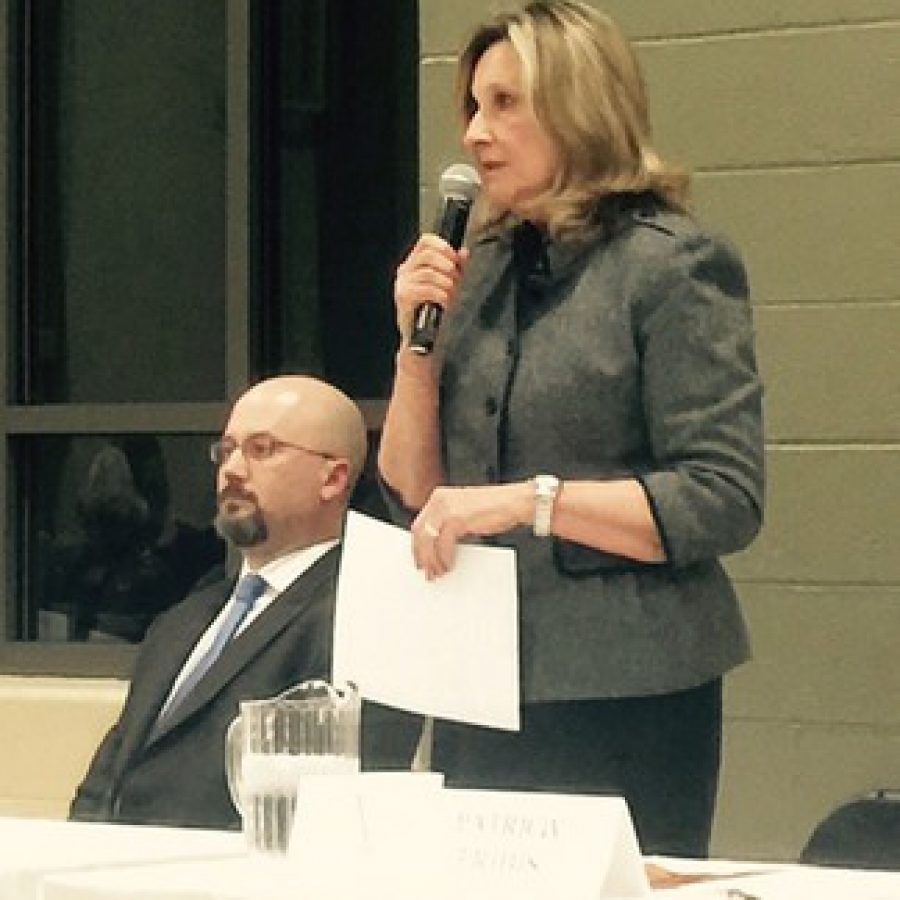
(454,513)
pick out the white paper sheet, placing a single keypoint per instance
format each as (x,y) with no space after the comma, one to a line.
(447,648)
(788,883)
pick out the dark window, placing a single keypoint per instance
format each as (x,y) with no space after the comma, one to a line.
(119,529)
(200,194)
(340,150)
(126,194)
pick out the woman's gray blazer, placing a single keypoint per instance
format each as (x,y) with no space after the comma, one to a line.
(634,357)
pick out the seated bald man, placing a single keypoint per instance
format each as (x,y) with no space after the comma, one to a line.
(287,463)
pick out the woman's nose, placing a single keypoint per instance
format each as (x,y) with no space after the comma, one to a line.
(477,131)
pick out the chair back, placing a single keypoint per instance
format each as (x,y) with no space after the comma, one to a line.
(863,833)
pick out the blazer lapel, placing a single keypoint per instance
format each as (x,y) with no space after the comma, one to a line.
(250,643)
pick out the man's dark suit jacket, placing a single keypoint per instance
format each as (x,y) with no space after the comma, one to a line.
(177,777)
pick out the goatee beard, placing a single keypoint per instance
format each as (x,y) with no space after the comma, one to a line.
(242,531)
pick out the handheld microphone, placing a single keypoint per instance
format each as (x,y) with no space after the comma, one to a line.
(458,187)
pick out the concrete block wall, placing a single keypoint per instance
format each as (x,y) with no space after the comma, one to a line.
(789,113)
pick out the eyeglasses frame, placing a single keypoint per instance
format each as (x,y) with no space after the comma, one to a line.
(217,457)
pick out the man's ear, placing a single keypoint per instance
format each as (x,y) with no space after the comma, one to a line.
(336,480)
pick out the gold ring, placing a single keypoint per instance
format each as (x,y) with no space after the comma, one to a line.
(430,530)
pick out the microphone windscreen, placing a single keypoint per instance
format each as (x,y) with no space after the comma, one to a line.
(459,180)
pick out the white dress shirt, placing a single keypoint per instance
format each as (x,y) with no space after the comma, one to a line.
(278,574)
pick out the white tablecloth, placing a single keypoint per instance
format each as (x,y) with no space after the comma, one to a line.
(30,849)
(226,879)
(41,860)
(245,879)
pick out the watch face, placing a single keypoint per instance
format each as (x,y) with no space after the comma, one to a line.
(545,490)
(546,484)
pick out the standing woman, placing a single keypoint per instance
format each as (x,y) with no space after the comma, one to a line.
(593,402)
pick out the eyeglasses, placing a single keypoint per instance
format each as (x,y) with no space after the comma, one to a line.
(256,448)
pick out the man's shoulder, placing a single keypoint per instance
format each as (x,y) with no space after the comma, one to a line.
(321,576)
(210,590)
(217,584)
(212,578)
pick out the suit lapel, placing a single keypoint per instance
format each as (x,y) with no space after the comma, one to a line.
(165,651)
(253,641)
(183,635)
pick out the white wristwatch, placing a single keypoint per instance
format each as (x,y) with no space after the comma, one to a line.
(546,487)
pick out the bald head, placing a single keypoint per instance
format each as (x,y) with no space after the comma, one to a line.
(311,413)
(291,453)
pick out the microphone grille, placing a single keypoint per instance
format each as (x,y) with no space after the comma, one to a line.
(459,180)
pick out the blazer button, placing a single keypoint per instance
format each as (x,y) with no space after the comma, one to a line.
(490,406)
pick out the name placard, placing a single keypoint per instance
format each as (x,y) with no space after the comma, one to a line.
(405,831)
(543,846)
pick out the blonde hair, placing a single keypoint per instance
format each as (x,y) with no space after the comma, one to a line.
(587,91)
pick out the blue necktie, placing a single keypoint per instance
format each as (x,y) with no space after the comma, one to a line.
(250,588)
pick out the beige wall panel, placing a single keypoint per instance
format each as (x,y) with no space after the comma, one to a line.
(754,817)
(428,200)
(814,235)
(33,807)
(811,235)
(55,726)
(831,517)
(779,780)
(752,100)
(439,134)
(444,26)
(768,99)
(686,17)
(831,373)
(820,654)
